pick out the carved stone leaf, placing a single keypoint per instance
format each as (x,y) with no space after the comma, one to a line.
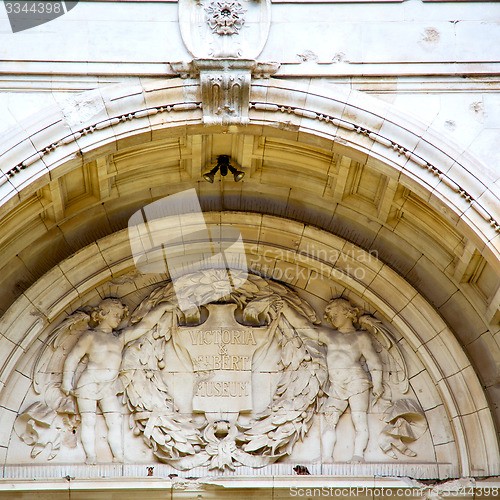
(278,444)
(280,417)
(158,436)
(178,436)
(257,443)
(167,424)
(262,427)
(311,388)
(288,356)
(301,382)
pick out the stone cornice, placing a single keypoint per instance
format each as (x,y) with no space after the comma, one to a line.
(286,69)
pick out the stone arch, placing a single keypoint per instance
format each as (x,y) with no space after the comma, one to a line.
(445,175)
(446,178)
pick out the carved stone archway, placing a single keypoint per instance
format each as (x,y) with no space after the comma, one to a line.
(293,133)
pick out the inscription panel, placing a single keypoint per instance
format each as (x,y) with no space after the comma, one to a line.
(221,351)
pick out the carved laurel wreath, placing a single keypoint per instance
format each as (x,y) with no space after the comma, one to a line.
(174,438)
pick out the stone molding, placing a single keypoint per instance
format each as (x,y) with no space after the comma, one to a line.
(225,86)
(326,69)
(338,117)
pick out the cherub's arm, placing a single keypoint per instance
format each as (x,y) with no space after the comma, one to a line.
(72,360)
(147,322)
(302,324)
(374,363)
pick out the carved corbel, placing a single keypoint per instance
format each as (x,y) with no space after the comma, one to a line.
(225,86)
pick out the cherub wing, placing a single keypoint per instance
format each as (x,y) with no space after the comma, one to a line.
(387,347)
(48,365)
(50,423)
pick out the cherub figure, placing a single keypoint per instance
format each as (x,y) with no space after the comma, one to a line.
(348,351)
(98,384)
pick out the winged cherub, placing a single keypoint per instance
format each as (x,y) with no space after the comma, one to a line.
(98,383)
(348,349)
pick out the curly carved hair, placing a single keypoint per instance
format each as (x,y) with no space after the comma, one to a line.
(345,307)
(105,306)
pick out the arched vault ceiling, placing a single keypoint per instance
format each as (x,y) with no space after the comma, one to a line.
(292,173)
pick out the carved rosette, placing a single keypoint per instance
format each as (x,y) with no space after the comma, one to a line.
(226,28)
(225,18)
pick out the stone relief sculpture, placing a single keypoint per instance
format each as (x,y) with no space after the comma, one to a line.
(350,383)
(88,362)
(354,368)
(92,351)
(98,384)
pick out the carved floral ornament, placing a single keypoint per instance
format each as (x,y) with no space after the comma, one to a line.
(101,358)
(225,18)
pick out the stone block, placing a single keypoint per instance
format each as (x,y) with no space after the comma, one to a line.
(465,323)
(425,391)
(413,363)
(484,353)
(13,394)
(446,453)
(439,427)
(85,268)
(423,277)
(46,294)
(469,45)
(392,288)
(486,420)
(408,252)
(459,388)
(477,454)
(7,418)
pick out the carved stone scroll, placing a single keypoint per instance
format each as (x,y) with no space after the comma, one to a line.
(225,86)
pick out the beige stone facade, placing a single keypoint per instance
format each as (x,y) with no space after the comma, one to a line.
(367,133)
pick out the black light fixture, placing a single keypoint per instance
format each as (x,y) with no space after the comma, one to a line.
(224,165)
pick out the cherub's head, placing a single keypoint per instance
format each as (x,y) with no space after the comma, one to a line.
(340,312)
(110,311)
